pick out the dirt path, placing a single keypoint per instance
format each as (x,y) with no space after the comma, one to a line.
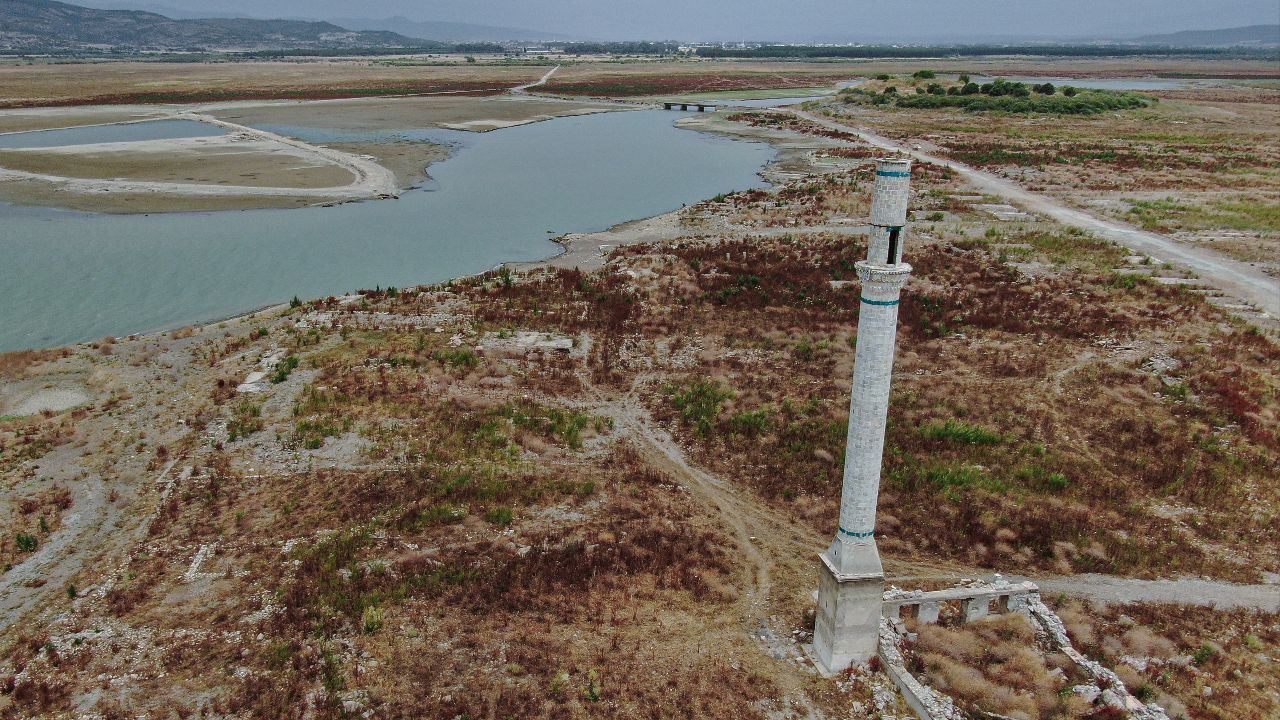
(48,571)
(371,180)
(524,89)
(1185,591)
(1231,276)
(660,450)
(770,542)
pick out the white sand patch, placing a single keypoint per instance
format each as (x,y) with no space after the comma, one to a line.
(51,399)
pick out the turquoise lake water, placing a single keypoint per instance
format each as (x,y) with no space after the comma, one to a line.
(69,277)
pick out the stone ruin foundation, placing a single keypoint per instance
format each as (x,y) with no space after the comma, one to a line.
(979,600)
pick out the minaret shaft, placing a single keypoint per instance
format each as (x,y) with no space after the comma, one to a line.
(851,577)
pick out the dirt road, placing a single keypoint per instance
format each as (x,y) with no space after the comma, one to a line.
(771,543)
(95,523)
(1184,591)
(1231,276)
(524,89)
(371,180)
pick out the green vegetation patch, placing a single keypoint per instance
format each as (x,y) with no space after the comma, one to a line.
(333,581)
(1002,96)
(246,419)
(563,425)
(699,403)
(1236,213)
(956,431)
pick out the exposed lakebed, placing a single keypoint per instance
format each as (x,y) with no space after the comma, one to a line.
(120,132)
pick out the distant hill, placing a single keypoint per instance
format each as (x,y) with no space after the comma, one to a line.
(51,25)
(1251,35)
(449,31)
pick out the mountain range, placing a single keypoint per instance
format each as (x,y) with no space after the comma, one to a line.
(36,25)
(450,31)
(51,25)
(1250,35)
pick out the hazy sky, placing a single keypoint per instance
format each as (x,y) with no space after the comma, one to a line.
(860,20)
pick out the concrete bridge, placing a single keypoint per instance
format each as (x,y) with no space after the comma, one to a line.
(688,107)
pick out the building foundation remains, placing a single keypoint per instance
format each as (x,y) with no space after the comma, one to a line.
(1106,690)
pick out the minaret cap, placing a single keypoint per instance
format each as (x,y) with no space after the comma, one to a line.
(889,211)
(892,192)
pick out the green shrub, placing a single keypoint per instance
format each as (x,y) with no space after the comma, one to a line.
(245,420)
(962,432)
(947,477)
(27,543)
(751,423)
(1057,482)
(1041,479)
(1204,654)
(699,403)
(284,368)
(1127,281)
(371,619)
(559,684)
(460,357)
(441,514)
(592,691)
(556,423)
(311,434)
(500,515)
(1019,100)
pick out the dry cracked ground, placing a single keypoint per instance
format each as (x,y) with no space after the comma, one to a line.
(570,494)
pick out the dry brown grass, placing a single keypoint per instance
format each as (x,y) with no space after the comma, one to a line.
(427,530)
(16,364)
(169,82)
(1185,649)
(1201,163)
(994,666)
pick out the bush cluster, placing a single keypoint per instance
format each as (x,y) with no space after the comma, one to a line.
(1003,96)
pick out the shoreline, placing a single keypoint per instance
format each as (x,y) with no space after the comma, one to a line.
(372,178)
(582,250)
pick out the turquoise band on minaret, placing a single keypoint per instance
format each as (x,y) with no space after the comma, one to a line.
(866,534)
(892,173)
(882,303)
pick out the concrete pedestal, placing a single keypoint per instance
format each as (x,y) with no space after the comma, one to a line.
(847,629)
(977,608)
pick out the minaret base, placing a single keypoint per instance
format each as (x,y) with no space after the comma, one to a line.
(847,629)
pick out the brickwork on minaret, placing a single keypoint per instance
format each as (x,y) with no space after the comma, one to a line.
(851,579)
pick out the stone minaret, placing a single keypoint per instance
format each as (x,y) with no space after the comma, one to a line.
(851,578)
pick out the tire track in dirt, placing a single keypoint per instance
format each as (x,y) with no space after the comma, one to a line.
(29,584)
(1228,275)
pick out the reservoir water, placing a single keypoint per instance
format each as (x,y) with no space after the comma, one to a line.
(70,277)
